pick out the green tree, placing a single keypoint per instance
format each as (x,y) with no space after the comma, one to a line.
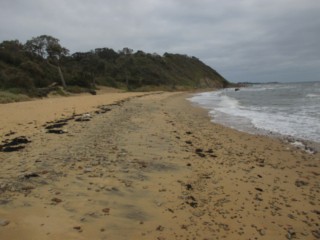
(50,49)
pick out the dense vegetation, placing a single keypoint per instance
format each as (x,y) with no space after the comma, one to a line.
(42,61)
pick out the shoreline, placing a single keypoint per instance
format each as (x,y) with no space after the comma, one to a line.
(306,145)
(153,167)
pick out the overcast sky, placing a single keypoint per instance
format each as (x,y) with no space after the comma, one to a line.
(244,40)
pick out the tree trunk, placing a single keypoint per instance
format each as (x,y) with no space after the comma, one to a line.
(64,85)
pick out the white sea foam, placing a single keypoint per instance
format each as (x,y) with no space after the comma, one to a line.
(272,111)
(310,95)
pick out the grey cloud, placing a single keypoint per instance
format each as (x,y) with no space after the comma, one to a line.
(253,40)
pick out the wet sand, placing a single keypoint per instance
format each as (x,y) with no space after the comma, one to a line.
(149,167)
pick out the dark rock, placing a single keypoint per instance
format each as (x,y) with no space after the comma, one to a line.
(259,189)
(189,142)
(188,132)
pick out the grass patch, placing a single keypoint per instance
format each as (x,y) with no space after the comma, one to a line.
(8,97)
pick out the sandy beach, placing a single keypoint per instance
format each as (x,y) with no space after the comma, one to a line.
(148,166)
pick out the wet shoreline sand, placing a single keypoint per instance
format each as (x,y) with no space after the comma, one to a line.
(152,167)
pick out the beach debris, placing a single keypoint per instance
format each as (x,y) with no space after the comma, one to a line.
(103,109)
(31,175)
(93,92)
(316,212)
(56,200)
(57,131)
(260,162)
(262,232)
(192,201)
(316,233)
(12,148)
(200,153)
(160,228)
(189,186)
(14,144)
(291,216)
(198,213)
(290,234)
(78,228)
(170,210)
(259,189)
(56,125)
(4,222)
(9,134)
(209,150)
(106,211)
(301,183)
(84,118)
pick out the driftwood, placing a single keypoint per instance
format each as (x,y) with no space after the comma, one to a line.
(43,92)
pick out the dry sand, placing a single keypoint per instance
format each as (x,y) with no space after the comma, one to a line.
(150,167)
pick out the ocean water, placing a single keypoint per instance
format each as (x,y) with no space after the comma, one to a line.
(287,109)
